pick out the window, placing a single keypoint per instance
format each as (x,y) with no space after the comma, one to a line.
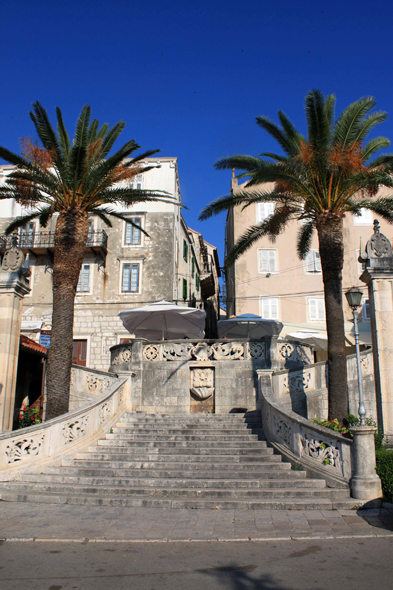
(132,235)
(197,282)
(137,182)
(185,289)
(267,261)
(27,233)
(84,279)
(366,309)
(79,352)
(365,217)
(264,210)
(269,308)
(185,250)
(91,229)
(130,277)
(313,262)
(316,310)
(193,267)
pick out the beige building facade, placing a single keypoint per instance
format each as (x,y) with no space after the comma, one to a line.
(123,268)
(270,280)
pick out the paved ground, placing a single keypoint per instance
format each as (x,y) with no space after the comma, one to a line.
(40,522)
(312,564)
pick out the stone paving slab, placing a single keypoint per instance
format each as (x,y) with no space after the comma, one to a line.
(39,522)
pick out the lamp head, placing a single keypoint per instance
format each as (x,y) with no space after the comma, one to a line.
(354,297)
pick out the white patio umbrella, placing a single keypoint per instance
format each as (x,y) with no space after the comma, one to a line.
(162,320)
(315,339)
(248,325)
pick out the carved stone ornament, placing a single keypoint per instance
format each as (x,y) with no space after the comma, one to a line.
(294,353)
(322,451)
(22,449)
(73,375)
(175,352)
(202,382)
(378,246)
(104,412)
(257,350)
(13,259)
(75,429)
(95,383)
(202,351)
(122,355)
(282,429)
(151,352)
(296,382)
(121,393)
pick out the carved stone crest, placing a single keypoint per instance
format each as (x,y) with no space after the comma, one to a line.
(378,246)
(202,382)
(13,259)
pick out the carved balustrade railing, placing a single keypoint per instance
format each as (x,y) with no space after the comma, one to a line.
(31,446)
(321,451)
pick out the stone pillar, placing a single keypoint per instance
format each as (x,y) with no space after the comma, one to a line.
(14,285)
(365,483)
(378,276)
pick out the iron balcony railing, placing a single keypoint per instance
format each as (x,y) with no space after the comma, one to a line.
(45,240)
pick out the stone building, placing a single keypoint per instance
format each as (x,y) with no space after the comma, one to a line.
(270,280)
(123,268)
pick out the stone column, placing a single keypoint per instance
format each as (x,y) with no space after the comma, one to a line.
(14,285)
(365,483)
(378,276)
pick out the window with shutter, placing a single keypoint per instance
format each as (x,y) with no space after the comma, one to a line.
(130,277)
(185,289)
(132,235)
(269,308)
(197,282)
(267,261)
(365,217)
(264,211)
(185,250)
(193,267)
(84,279)
(316,309)
(366,309)
(313,262)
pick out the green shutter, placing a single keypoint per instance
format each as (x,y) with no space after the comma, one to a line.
(197,282)
(193,267)
(185,250)
(184,289)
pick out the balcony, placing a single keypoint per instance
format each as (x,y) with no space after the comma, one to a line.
(42,242)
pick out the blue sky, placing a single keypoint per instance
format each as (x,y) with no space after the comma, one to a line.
(190,78)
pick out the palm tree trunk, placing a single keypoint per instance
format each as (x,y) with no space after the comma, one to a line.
(331,250)
(70,241)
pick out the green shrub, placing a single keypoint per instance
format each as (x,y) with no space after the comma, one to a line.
(28,417)
(384,469)
(334,425)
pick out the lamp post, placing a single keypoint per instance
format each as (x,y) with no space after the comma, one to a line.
(354,298)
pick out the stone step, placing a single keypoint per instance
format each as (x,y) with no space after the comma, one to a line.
(172,493)
(197,430)
(171,482)
(185,423)
(189,473)
(173,437)
(190,445)
(157,454)
(195,465)
(129,502)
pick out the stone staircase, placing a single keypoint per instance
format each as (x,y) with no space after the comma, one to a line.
(179,461)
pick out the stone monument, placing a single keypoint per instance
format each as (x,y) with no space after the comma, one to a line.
(14,285)
(378,276)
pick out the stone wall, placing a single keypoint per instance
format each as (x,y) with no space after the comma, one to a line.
(179,376)
(87,384)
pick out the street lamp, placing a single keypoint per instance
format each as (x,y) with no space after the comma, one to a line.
(354,298)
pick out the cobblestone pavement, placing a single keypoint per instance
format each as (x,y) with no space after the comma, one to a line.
(22,521)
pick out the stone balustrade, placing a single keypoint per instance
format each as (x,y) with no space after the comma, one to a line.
(322,452)
(33,446)
(87,384)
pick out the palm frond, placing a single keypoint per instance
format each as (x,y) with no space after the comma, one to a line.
(22,220)
(277,133)
(239,162)
(304,238)
(378,143)
(111,136)
(64,138)
(45,131)
(318,127)
(347,125)
(121,216)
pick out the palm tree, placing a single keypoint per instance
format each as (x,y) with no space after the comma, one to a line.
(317,180)
(70,181)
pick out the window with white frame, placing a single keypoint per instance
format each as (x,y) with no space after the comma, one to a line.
(264,210)
(133,235)
(364,217)
(267,260)
(316,310)
(137,182)
(269,308)
(130,278)
(84,279)
(366,309)
(313,262)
